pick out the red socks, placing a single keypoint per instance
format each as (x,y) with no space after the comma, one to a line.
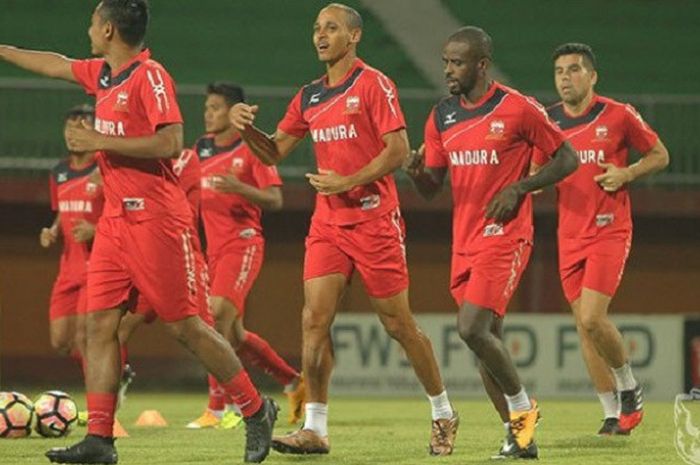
(258,352)
(243,393)
(217,395)
(101,406)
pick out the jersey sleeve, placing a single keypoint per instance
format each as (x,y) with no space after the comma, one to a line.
(264,176)
(293,122)
(638,133)
(435,154)
(540,131)
(539,157)
(383,105)
(53,192)
(87,73)
(158,97)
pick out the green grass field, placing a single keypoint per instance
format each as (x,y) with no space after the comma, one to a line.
(375,432)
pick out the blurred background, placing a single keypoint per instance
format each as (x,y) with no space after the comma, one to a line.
(647,53)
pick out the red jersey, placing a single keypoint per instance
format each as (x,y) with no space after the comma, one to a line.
(188,171)
(347,122)
(231,217)
(603,133)
(487,147)
(75,197)
(134,101)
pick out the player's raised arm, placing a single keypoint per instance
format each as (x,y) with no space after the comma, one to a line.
(165,143)
(47,64)
(270,149)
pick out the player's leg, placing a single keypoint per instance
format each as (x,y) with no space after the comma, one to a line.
(493,390)
(321,297)
(62,334)
(604,268)
(482,284)
(63,308)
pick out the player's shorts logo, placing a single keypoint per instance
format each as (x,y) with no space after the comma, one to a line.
(370,202)
(604,219)
(687,437)
(493,229)
(134,204)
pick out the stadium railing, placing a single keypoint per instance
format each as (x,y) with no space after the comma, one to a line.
(31,115)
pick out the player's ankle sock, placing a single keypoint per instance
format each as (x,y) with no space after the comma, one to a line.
(124,353)
(258,352)
(624,379)
(101,406)
(316,418)
(520,402)
(233,408)
(216,395)
(243,393)
(506,426)
(611,406)
(440,406)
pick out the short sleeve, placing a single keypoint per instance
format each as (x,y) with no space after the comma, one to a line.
(263,175)
(53,192)
(87,73)
(435,155)
(384,108)
(293,122)
(539,157)
(638,133)
(540,131)
(157,92)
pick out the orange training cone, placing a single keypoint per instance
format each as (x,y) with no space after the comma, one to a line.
(118,430)
(151,418)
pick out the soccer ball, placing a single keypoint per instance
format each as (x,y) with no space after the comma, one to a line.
(55,414)
(16,412)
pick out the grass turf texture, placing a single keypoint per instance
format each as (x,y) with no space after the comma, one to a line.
(374,431)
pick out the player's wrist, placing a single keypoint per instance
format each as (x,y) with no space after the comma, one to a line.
(629,174)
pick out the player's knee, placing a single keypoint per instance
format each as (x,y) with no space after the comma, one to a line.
(400,328)
(590,323)
(315,321)
(474,336)
(61,343)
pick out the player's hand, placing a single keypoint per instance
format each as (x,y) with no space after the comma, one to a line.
(613,178)
(505,205)
(48,236)
(328,182)
(242,115)
(415,162)
(226,183)
(84,139)
(82,231)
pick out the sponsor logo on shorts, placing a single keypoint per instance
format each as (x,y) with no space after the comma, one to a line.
(494,229)
(370,202)
(247,233)
(604,219)
(134,204)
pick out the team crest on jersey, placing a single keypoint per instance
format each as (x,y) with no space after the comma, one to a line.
(601,132)
(90,188)
(237,163)
(122,102)
(352,105)
(496,129)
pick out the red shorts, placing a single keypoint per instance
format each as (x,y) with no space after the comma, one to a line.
(595,263)
(375,247)
(68,298)
(488,277)
(160,257)
(234,271)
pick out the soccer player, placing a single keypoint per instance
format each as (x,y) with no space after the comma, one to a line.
(144,238)
(77,202)
(359,138)
(595,224)
(236,187)
(484,135)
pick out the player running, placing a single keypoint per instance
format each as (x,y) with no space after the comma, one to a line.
(77,201)
(595,223)
(484,135)
(236,187)
(144,239)
(359,138)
